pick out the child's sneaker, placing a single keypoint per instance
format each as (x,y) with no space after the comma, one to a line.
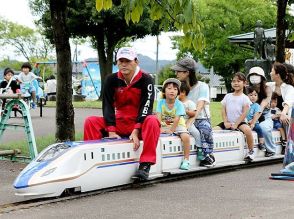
(269,154)
(200,153)
(283,144)
(185,165)
(250,156)
(209,161)
(261,147)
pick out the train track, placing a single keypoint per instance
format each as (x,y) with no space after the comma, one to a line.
(6,208)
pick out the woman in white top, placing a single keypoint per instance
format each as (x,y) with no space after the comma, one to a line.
(199,93)
(282,85)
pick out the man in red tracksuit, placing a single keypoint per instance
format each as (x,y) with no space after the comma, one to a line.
(128,98)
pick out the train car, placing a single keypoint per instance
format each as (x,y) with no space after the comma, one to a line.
(92,165)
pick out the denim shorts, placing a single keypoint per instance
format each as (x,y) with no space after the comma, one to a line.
(277,124)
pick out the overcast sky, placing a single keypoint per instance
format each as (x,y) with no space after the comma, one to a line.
(18,11)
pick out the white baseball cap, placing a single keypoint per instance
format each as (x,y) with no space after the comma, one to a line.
(256,70)
(127,53)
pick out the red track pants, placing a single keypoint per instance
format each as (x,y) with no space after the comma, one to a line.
(94,126)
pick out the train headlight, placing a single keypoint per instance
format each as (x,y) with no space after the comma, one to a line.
(49,171)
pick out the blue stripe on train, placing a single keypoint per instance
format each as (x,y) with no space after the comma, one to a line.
(22,182)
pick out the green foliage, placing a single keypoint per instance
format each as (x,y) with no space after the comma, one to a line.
(166,73)
(82,104)
(13,64)
(24,40)
(182,15)
(224,18)
(44,71)
(215,113)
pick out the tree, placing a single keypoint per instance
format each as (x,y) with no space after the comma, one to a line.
(182,15)
(285,22)
(106,29)
(281,30)
(26,41)
(221,19)
(65,129)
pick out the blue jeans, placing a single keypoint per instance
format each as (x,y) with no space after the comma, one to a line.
(204,127)
(258,130)
(277,124)
(267,128)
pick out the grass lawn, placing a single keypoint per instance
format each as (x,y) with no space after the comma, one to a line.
(44,141)
(81,104)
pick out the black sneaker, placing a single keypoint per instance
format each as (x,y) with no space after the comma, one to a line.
(209,161)
(142,173)
(284,143)
(261,147)
(269,154)
(283,150)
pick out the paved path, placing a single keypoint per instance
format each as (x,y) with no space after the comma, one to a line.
(246,193)
(44,126)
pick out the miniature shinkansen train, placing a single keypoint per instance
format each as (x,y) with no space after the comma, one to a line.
(92,165)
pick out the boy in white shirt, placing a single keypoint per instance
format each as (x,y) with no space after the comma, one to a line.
(276,113)
(25,78)
(190,108)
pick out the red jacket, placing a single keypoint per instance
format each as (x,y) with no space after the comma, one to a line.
(130,103)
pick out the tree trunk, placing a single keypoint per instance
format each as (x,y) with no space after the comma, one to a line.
(105,60)
(281,29)
(64,109)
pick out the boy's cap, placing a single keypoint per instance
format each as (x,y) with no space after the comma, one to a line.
(26,65)
(127,53)
(185,64)
(172,80)
(256,70)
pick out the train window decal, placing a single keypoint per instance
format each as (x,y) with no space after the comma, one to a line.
(103,157)
(85,156)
